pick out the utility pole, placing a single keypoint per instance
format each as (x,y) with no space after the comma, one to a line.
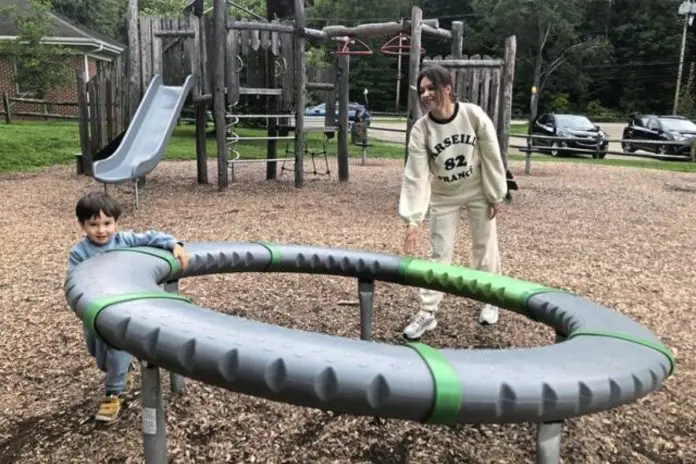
(688,9)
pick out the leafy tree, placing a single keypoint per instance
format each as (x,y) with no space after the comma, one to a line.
(548,37)
(39,67)
(104,16)
(646,38)
(161,7)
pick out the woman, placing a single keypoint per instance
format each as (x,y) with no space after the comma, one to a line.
(454,164)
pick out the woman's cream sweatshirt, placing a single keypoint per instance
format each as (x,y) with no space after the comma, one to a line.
(448,157)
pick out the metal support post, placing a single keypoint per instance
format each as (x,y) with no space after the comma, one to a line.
(136,193)
(548,443)
(176,381)
(366,293)
(154,425)
(548,439)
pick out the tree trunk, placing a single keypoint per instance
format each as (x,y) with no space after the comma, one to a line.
(536,83)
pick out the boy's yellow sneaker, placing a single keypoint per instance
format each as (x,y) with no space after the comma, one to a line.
(109,408)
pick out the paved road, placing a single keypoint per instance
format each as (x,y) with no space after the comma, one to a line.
(613,130)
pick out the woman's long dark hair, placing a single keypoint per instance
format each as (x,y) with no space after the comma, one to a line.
(439,76)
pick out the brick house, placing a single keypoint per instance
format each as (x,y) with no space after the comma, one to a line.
(87,47)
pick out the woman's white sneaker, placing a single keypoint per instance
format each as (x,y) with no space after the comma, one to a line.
(421,323)
(488,315)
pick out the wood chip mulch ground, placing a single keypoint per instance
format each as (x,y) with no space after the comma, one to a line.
(623,237)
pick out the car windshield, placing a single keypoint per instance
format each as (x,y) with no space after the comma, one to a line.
(680,125)
(574,122)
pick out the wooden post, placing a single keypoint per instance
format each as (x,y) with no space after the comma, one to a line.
(398,72)
(201,117)
(506,102)
(379,29)
(84,124)
(134,79)
(414,108)
(205,65)
(343,87)
(271,123)
(457,39)
(8,108)
(300,79)
(457,44)
(220,23)
(201,151)
(231,75)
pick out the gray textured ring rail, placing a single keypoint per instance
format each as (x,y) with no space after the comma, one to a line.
(608,359)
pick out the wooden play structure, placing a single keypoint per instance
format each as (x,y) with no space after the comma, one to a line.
(235,59)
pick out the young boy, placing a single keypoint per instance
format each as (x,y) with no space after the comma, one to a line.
(98,215)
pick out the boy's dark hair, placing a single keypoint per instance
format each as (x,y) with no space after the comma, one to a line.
(438,75)
(91,204)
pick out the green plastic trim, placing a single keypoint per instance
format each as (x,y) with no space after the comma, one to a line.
(659,347)
(403,265)
(482,286)
(93,309)
(174,265)
(274,250)
(448,390)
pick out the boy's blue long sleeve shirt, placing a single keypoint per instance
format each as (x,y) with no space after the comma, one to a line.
(86,249)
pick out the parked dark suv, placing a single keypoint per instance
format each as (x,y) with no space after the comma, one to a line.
(657,128)
(577,132)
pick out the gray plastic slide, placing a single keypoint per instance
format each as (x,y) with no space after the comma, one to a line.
(147,135)
(606,360)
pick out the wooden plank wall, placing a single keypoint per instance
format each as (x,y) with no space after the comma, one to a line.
(107,103)
(246,60)
(174,57)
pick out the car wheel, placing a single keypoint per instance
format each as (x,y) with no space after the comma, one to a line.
(627,147)
(662,150)
(554,150)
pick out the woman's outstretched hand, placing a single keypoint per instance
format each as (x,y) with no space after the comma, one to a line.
(410,240)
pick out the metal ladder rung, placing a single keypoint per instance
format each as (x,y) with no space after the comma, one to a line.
(289,137)
(259,160)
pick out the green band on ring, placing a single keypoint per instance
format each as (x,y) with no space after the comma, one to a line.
(448,390)
(93,309)
(403,266)
(273,250)
(487,287)
(659,347)
(174,265)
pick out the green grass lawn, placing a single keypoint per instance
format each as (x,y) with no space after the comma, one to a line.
(518,128)
(29,145)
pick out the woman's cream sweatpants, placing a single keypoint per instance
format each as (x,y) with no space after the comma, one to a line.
(445,212)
